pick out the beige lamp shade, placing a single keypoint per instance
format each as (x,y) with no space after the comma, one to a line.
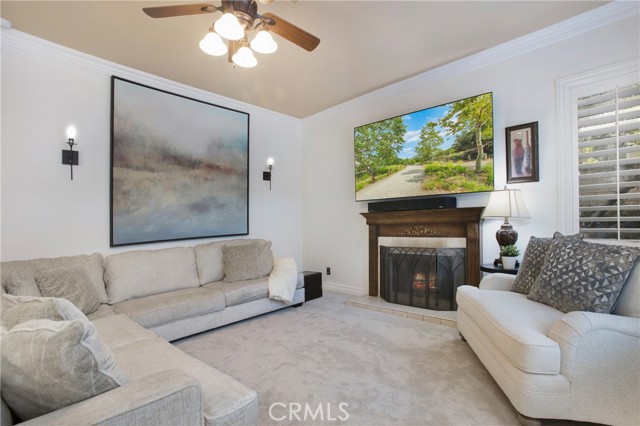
(506,203)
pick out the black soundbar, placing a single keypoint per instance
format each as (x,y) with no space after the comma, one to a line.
(414,204)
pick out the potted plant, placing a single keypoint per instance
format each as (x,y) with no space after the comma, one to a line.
(509,256)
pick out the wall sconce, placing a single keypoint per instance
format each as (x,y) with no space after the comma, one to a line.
(266,175)
(69,156)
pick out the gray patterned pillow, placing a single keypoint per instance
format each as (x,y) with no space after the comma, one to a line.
(241,262)
(535,256)
(67,359)
(71,283)
(583,276)
(532,263)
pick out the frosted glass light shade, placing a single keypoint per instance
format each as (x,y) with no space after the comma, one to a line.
(244,58)
(229,27)
(264,43)
(506,203)
(71,132)
(212,44)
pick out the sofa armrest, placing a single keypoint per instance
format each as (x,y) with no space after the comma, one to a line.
(497,281)
(577,331)
(600,356)
(166,398)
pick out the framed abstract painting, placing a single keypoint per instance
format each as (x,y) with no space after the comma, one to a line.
(522,153)
(179,167)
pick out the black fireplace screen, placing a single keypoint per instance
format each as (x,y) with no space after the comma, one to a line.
(422,277)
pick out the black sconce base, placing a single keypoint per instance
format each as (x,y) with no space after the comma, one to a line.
(70,157)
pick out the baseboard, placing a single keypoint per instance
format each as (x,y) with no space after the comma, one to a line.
(341,288)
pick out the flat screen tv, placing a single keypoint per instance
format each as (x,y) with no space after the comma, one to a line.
(445,149)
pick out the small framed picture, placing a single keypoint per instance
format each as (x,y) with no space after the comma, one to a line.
(522,153)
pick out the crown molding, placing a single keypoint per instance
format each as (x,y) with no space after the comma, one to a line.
(585,22)
(12,38)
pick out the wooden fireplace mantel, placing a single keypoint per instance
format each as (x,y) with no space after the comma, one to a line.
(444,223)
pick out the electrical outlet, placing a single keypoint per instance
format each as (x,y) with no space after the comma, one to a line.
(328,271)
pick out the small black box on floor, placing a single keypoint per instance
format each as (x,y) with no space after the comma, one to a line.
(312,285)
(414,204)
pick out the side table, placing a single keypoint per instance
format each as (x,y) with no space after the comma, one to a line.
(491,268)
(312,285)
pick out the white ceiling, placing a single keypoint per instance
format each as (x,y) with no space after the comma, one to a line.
(365,45)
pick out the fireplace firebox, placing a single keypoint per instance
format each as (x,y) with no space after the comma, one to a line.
(422,277)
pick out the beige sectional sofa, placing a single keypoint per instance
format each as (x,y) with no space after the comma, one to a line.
(146,299)
(576,365)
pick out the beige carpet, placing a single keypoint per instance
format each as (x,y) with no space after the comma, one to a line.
(388,370)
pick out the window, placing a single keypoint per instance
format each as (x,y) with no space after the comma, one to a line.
(609,163)
(599,152)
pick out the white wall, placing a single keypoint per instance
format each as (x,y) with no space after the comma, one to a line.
(45,88)
(523,86)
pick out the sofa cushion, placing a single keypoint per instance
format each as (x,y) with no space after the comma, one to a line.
(628,303)
(92,265)
(226,401)
(532,262)
(141,273)
(120,330)
(159,309)
(103,310)
(48,365)
(583,276)
(209,262)
(71,283)
(516,325)
(265,256)
(242,291)
(18,309)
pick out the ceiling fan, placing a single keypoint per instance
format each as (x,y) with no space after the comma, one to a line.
(239,19)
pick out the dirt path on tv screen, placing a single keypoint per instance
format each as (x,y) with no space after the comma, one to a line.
(406,183)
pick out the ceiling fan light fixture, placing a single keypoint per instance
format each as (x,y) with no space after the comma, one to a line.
(229,27)
(264,43)
(212,44)
(244,58)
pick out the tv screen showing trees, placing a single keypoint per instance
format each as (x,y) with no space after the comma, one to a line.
(446,149)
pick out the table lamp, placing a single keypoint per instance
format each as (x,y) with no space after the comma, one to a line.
(506,203)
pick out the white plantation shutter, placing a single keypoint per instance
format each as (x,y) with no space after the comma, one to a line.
(609,163)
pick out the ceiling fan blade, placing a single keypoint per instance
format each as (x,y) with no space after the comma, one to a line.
(179,10)
(292,33)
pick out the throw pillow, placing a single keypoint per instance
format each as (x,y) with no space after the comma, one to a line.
(628,303)
(19,309)
(532,263)
(21,282)
(583,276)
(534,258)
(71,283)
(48,365)
(241,262)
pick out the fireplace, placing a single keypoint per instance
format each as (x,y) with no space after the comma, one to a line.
(421,277)
(436,223)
